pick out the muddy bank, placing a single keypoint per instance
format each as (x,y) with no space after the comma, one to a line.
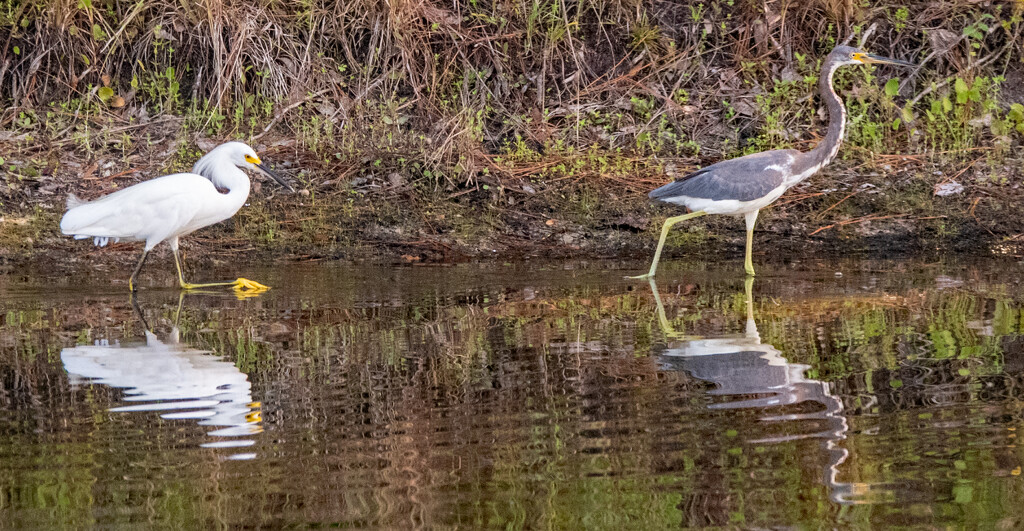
(862,203)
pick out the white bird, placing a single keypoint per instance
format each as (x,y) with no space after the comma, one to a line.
(172,378)
(169,207)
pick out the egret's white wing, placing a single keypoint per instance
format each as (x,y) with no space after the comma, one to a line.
(152,210)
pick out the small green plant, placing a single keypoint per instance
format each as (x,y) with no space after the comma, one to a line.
(953,119)
(900,17)
(976,31)
(1013,121)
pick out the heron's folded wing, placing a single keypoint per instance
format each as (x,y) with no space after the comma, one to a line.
(741,179)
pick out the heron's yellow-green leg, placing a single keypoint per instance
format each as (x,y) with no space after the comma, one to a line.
(666,325)
(131,280)
(239,284)
(177,313)
(664,234)
(748,288)
(748,264)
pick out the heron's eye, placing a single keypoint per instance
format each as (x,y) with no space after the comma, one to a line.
(251,159)
(857,56)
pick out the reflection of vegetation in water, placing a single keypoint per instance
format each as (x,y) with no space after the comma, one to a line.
(521,409)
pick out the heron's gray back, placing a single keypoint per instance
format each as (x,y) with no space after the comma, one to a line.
(741,179)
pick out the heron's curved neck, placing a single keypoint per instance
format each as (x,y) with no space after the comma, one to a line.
(827,149)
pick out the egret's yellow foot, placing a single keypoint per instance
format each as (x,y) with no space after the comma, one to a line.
(242,294)
(246,284)
(240,284)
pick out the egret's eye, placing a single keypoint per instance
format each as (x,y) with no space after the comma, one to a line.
(251,159)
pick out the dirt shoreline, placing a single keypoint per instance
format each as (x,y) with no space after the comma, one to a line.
(873,205)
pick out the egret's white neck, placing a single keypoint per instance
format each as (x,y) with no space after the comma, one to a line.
(224,175)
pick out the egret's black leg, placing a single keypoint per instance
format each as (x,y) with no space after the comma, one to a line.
(131,281)
(138,311)
(664,234)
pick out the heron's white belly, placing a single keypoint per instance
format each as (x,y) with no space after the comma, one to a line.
(727,206)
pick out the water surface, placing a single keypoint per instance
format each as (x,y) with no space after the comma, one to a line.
(534,395)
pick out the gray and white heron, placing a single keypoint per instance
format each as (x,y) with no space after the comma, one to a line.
(171,206)
(753,375)
(745,185)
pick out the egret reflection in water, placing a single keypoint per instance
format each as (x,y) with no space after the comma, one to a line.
(752,374)
(176,380)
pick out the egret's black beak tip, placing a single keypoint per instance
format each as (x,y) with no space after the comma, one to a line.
(276,177)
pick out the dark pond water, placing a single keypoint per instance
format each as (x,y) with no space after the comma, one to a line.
(512,396)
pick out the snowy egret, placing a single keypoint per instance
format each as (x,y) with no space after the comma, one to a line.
(175,380)
(747,184)
(169,207)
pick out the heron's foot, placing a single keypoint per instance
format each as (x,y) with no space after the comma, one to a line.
(645,276)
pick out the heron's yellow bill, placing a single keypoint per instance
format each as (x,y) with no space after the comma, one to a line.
(870,58)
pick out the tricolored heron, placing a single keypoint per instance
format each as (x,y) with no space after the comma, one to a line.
(747,184)
(754,376)
(171,206)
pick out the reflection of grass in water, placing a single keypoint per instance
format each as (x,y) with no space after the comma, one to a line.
(404,363)
(868,331)
(455,347)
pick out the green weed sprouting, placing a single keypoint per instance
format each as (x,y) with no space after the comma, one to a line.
(469,85)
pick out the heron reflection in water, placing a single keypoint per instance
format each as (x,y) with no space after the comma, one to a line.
(760,377)
(172,378)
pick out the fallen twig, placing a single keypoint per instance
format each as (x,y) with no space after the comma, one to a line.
(864,219)
(837,203)
(974,204)
(958,174)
